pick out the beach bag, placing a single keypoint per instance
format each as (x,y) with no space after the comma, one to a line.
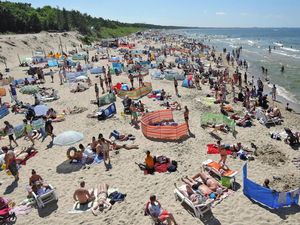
(116,197)
(172,168)
(162,159)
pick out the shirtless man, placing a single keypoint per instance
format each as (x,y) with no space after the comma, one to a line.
(209,181)
(102,195)
(204,189)
(82,195)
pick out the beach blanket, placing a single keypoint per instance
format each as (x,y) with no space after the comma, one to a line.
(213,149)
(3,111)
(23,162)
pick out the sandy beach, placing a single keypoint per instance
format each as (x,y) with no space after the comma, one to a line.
(274,157)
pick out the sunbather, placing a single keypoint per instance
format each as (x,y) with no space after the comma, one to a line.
(197,186)
(102,202)
(126,146)
(154,209)
(121,137)
(82,195)
(194,197)
(209,181)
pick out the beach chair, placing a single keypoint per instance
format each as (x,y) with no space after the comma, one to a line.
(43,200)
(195,210)
(269,121)
(226,176)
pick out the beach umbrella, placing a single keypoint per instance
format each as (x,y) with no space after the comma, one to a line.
(68,138)
(40,110)
(81,78)
(29,90)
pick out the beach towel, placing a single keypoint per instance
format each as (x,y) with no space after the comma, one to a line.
(81,208)
(213,149)
(23,162)
(3,111)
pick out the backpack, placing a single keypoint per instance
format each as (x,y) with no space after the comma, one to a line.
(162,159)
(172,168)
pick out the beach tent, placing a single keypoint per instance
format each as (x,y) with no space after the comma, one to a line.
(214,118)
(187,83)
(3,111)
(108,112)
(156,74)
(136,93)
(171,132)
(29,90)
(79,56)
(114,59)
(107,99)
(52,63)
(26,60)
(171,74)
(266,196)
(117,66)
(96,70)
(71,77)
(36,125)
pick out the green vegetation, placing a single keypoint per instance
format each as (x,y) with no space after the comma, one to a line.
(22,18)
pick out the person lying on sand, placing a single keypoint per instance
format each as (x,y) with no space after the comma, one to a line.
(121,137)
(82,195)
(102,202)
(126,146)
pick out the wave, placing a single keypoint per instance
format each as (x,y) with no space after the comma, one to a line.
(290,49)
(286,94)
(287,55)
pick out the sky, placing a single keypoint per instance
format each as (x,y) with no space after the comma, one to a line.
(199,13)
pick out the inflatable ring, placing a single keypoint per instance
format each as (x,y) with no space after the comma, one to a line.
(71,155)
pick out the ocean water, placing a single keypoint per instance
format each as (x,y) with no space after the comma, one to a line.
(255,43)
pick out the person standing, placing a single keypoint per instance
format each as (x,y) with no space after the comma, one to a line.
(186,116)
(9,130)
(245,78)
(97,92)
(176,86)
(13,93)
(109,79)
(274,90)
(130,76)
(28,130)
(101,84)
(60,76)
(48,129)
(10,162)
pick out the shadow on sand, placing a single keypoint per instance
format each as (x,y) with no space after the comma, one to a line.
(67,167)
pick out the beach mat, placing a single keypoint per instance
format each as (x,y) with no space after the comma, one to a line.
(212,149)
(23,162)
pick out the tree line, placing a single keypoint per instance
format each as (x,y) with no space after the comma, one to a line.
(23,18)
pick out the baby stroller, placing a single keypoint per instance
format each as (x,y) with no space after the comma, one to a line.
(7,217)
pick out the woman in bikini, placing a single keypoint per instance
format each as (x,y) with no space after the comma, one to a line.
(102,202)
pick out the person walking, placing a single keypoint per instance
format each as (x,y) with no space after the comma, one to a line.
(274,90)
(176,86)
(186,116)
(97,91)
(101,84)
(9,130)
(28,131)
(13,93)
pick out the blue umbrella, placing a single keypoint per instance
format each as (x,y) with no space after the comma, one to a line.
(40,110)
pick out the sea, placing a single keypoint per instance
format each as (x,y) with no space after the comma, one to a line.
(255,43)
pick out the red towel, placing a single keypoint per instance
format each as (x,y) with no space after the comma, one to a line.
(212,149)
(161,168)
(23,162)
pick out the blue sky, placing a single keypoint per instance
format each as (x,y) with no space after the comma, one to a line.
(203,13)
